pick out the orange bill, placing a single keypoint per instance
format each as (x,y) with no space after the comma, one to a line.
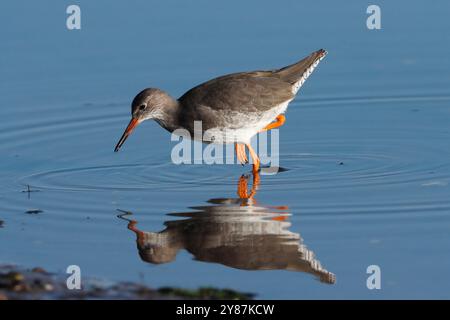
(133,124)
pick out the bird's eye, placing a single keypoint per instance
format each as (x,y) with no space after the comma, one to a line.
(142,107)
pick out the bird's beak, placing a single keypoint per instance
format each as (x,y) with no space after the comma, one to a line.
(133,124)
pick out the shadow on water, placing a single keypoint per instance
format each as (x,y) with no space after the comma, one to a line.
(236,232)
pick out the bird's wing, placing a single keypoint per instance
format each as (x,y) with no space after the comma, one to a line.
(246,92)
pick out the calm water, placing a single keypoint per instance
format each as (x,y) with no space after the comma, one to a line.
(366,145)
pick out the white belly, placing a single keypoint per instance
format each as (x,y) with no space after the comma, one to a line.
(247,129)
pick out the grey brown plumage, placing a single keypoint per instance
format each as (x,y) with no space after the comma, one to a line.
(233,234)
(231,108)
(250,93)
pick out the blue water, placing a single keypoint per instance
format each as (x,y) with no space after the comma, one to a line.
(366,145)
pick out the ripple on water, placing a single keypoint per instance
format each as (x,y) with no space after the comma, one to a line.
(305,171)
(324,164)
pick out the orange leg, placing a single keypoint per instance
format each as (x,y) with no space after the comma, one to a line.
(240,153)
(255,158)
(279,121)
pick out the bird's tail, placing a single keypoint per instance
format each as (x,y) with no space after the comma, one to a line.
(297,73)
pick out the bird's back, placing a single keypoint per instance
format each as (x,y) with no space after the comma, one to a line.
(253,91)
(245,101)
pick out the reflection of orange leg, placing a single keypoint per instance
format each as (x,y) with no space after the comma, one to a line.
(280,218)
(279,121)
(254,158)
(281,215)
(240,153)
(243,187)
(283,208)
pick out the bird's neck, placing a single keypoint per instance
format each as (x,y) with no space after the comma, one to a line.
(168,116)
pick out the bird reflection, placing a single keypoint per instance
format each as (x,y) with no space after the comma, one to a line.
(235,232)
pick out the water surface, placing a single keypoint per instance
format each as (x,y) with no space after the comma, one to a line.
(365,145)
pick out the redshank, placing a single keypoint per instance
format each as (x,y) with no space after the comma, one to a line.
(231,108)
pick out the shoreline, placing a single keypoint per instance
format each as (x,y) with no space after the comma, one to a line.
(19,283)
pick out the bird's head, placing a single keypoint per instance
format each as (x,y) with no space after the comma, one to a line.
(150,103)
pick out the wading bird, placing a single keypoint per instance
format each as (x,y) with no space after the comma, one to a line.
(232,108)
